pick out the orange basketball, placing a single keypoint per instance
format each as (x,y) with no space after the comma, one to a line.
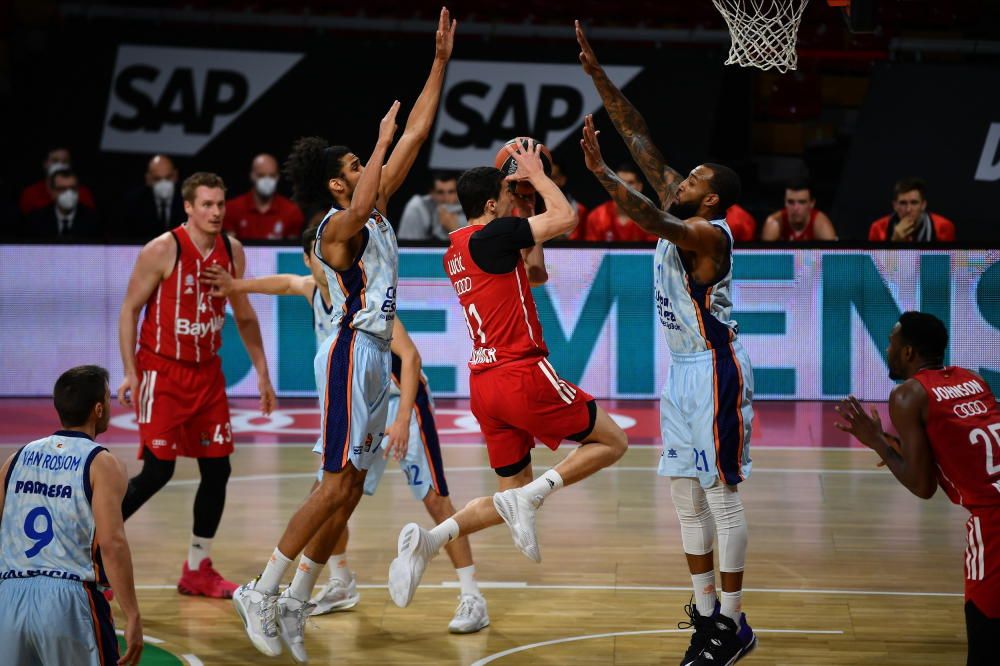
(508,164)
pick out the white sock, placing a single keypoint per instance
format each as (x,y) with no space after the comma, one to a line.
(198,550)
(467,579)
(704,592)
(443,533)
(549,482)
(339,569)
(732,605)
(305,577)
(273,573)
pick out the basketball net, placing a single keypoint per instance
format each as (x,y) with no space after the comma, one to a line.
(763,32)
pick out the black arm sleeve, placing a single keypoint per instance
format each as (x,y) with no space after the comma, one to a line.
(497,247)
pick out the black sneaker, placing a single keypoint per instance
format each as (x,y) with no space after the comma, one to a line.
(728,643)
(703,627)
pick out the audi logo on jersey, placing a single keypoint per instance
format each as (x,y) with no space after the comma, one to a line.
(966,409)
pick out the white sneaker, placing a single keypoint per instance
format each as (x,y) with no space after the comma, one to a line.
(336,595)
(518,512)
(470,616)
(258,612)
(405,572)
(292,614)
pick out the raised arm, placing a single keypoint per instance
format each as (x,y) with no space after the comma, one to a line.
(249,330)
(418,125)
(108,480)
(630,125)
(694,234)
(398,431)
(345,224)
(155,261)
(284,284)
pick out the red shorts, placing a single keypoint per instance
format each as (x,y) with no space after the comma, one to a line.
(982,561)
(182,408)
(516,403)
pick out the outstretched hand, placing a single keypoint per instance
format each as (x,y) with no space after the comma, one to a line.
(866,428)
(587,57)
(591,147)
(387,126)
(444,39)
(528,158)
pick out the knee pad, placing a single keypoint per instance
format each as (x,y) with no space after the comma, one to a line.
(697,528)
(731,523)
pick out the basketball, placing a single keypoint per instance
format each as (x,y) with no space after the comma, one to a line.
(508,164)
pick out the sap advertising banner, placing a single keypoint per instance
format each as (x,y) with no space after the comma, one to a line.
(176,100)
(814,322)
(485,104)
(935,122)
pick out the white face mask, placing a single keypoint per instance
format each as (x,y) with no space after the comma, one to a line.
(163,189)
(266,186)
(57,166)
(67,200)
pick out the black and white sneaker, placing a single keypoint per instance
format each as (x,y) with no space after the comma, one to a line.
(728,643)
(703,628)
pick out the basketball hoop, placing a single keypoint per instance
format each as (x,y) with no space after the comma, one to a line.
(763,32)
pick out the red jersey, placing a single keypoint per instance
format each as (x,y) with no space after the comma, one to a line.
(499,309)
(183,320)
(944,229)
(741,223)
(282,219)
(807,233)
(963,426)
(604,225)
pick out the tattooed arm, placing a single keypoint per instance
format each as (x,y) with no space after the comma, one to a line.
(630,125)
(695,234)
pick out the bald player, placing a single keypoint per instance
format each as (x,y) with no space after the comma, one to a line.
(261,213)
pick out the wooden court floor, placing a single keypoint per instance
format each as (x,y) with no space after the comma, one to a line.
(844,567)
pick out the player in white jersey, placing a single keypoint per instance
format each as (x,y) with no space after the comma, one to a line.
(358,249)
(411,438)
(706,411)
(62,536)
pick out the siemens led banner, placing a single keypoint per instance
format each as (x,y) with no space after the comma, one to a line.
(815,322)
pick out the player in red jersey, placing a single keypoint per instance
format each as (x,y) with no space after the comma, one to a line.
(949,435)
(516,393)
(175,380)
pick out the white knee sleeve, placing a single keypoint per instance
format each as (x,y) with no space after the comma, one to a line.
(731,522)
(697,528)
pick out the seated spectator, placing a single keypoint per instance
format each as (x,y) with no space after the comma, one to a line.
(560,179)
(799,220)
(37,195)
(606,224)
(65,219)
(433,216)
(741,223)
(910,222)
(156,207)
(261,213)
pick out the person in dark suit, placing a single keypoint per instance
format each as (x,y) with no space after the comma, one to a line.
(154,208)
(65,219)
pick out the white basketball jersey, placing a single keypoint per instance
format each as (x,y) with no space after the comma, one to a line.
(324,320)
(48,524)
(694,317)
(364,295)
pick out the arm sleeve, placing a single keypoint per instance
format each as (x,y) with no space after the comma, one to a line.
(496,248)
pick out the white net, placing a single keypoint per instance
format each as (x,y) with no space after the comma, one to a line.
(763,32)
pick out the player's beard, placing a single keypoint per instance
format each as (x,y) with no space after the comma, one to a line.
(684,210)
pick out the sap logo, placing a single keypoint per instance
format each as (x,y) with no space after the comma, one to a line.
(177,100)
(484,104)
(988,168)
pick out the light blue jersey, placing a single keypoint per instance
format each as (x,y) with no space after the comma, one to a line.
(364,295)
(48,525)
(324,319)
(695,318)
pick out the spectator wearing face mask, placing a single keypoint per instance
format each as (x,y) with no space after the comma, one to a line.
(38,195)
(156,207)
(65,219)
(433,216)
(262,213)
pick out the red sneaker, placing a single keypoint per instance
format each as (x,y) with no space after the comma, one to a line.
(205,582)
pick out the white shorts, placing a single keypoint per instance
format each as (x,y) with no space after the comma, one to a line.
(706,416)
(354,369)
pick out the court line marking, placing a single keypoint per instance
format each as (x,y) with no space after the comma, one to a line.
(191,659)
(647,632)
(636,588)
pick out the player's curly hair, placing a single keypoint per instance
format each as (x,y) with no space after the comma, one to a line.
(310,166)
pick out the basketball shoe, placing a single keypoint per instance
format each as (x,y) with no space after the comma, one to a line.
(728,642)
(259,614)
(518,511)
(703,626)
(292,614)
(413,553)
(471,615)
(205,581)
(335,596)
